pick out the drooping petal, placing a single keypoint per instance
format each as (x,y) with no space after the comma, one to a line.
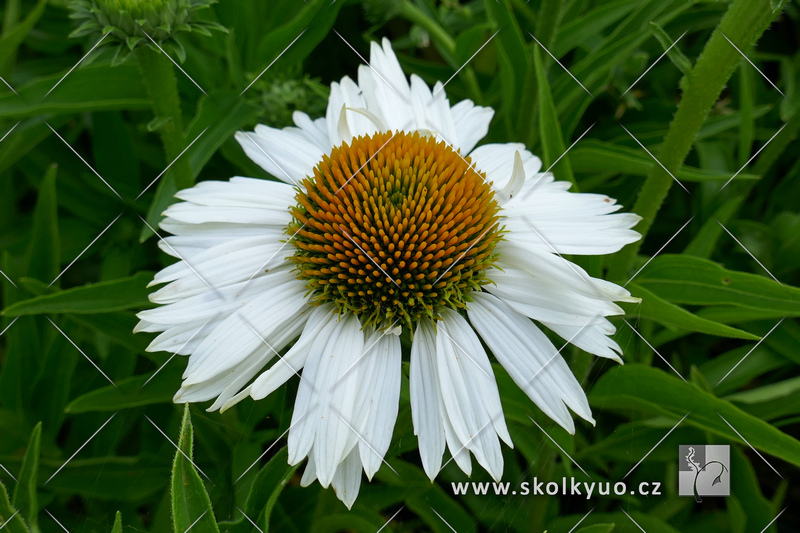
(530,358)
(469,391)
(378,396)
(426,398)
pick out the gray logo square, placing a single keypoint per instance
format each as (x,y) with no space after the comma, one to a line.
(704,470)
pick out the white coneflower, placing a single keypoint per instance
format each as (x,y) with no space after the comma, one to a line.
(387,219)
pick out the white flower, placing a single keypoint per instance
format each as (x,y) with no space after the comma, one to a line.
(387,219)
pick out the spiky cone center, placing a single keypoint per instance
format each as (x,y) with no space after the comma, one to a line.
(394,227)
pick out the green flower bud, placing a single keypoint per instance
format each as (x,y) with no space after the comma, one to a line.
(135,23)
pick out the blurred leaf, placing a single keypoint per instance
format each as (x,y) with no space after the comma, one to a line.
(11,39)
(552,140)
(117,523)
(589,25)
(102,297)
(673,52)
(9,517)
(25,491)
(43,251)
(705,241)
(191,506)
(107,478)
(135,391)
(266,488)
(652,390)
(621,522)
(421,496)
(670,315)
(597,528)
(590,156)
(747,102)
(220,116)
(109,88)
(511,53)
(314,20)
(695,281)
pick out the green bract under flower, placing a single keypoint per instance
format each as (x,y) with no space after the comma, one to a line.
(141,22)
(394,227)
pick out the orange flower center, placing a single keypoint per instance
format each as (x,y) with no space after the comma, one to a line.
(394,227)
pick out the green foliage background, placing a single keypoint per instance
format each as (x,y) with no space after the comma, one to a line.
(711,295)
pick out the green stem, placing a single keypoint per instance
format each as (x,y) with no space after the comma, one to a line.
(162,89)
(413,14)
(743,24)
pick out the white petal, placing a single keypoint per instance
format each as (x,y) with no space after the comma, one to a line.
(314,131)
(497,161)
(307,403)
(542,299)
(426,398)
(288,331)
(559,270)
(293,361)
(214,271)
(240,192)
(285,154)
(471,123)
(243,331)
(547,216)
(337,385)
(472,423)
(594,338)
(432,112)
(378,397)
(515,183)
(310,473)
(385,88)
(478,371)
(347,479)
(530,359)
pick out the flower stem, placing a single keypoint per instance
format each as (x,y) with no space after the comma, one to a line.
(162,89)
(743,24)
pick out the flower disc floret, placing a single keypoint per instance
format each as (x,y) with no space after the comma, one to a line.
(394,227)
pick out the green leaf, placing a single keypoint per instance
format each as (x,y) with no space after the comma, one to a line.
(705,242)
(220,116)
(117,523)
(87,88)
(191,506)
(135,391)
(597,528)
(695,281)
(670,315)
(673,52)
(25,491)
(43,251)
(266,488)
(588,26)
(591,156)
(11,39)
(102,297)
(511,54)
(654,391)
(315,21)
(552,140)
(106,478)
(10,520)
